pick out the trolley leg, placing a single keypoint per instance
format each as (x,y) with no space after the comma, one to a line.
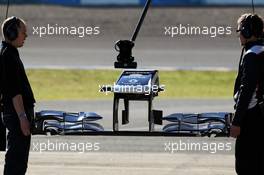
(115,114)
(125,113)
(150,115)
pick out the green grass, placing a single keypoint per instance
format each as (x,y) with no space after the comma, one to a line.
(84,84)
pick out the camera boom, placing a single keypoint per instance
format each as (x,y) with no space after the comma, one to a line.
(124,47)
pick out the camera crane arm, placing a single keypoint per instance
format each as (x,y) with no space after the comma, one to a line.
(124,47)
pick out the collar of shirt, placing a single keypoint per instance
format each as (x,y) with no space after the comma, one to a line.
(253,43)
(10,48)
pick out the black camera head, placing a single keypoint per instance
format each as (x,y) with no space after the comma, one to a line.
(125,59)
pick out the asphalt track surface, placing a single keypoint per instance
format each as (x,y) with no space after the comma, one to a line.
(150,52)
(132,155)
(153,48)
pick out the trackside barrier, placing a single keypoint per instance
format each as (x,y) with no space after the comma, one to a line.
(140,2)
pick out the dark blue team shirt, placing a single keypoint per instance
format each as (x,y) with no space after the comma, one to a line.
(14,77)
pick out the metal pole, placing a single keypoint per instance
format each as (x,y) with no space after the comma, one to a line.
(7,8)
(253,7)
(147,5)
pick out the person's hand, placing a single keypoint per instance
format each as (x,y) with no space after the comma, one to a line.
(234,131)
(24,125)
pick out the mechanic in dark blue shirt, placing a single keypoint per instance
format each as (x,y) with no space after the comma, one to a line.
(18,98)
(247,125)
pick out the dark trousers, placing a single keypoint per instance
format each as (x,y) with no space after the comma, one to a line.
(249,150)
(2,134)
(18,145)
